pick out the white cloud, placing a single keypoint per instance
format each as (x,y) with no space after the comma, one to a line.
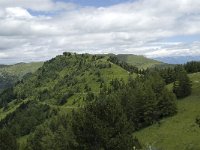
(37,5)
(138,27)
(17,12)
(3,55)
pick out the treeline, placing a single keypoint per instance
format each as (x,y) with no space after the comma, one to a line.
(192,67)
(108,120)
(124,65)
(170,74)
(178,76)
(26,117)
(7,80)
(57,80)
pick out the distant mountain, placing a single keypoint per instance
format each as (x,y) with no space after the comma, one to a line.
(178,59)
(9,74)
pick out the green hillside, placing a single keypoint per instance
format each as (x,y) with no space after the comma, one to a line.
(65,81)
(21,69)
(58,87)
(9,74)
(94,102)
(139,61)
(179,132)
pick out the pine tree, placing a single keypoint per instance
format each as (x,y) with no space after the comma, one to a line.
(102,124)
(7,141)
(182,87)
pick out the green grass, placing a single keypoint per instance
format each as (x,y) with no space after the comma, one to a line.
(139,61)
(107,74)
(179,132)
(21,69)
(12,106)
(10,74)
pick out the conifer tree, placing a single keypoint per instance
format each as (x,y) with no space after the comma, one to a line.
(182,85)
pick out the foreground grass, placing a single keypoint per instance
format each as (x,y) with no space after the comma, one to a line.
(179,132)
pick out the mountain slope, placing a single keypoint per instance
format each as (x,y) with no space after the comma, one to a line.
(58,87)
(139,61)
(64,81)
(180,131)
(9,74)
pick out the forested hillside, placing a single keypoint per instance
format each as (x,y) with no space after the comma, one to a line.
(181,131)
(83,101)
(9,74)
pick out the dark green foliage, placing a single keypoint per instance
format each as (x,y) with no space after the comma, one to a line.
(53,135)
(7,80)
(138,103)
(10,74)
(178,76)
(105,120)
(90,96)
(63,100)
(182,86)
(123,64)
(59,78)
(168,74)
(192,67)
(197,121)
(102,124)
(7,140)
(144,101)
(166,104)
(24,120)
(6,96)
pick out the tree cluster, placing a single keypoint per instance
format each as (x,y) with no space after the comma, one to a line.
(126,66)
(192,67)
(108,120)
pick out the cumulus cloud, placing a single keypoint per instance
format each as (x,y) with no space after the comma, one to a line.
(38,30)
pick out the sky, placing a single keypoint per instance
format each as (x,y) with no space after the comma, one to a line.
(37,30)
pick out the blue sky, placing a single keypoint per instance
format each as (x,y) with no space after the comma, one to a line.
(183,38)
(96,3)
(82,3)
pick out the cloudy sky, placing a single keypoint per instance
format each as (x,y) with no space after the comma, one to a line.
(35,30)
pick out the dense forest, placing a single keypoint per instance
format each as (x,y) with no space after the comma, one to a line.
(83,101)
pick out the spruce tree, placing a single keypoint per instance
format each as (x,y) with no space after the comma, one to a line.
(7,140)
(182,87)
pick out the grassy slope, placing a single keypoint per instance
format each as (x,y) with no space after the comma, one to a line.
(9,74)
(139,61)
(179,132)
(76,100)
(107,74)
(21,69)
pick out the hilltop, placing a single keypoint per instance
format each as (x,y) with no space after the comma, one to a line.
(97,101)
(65,81)
(60,86)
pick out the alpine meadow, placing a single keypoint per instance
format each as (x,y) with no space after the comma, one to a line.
(99,75)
